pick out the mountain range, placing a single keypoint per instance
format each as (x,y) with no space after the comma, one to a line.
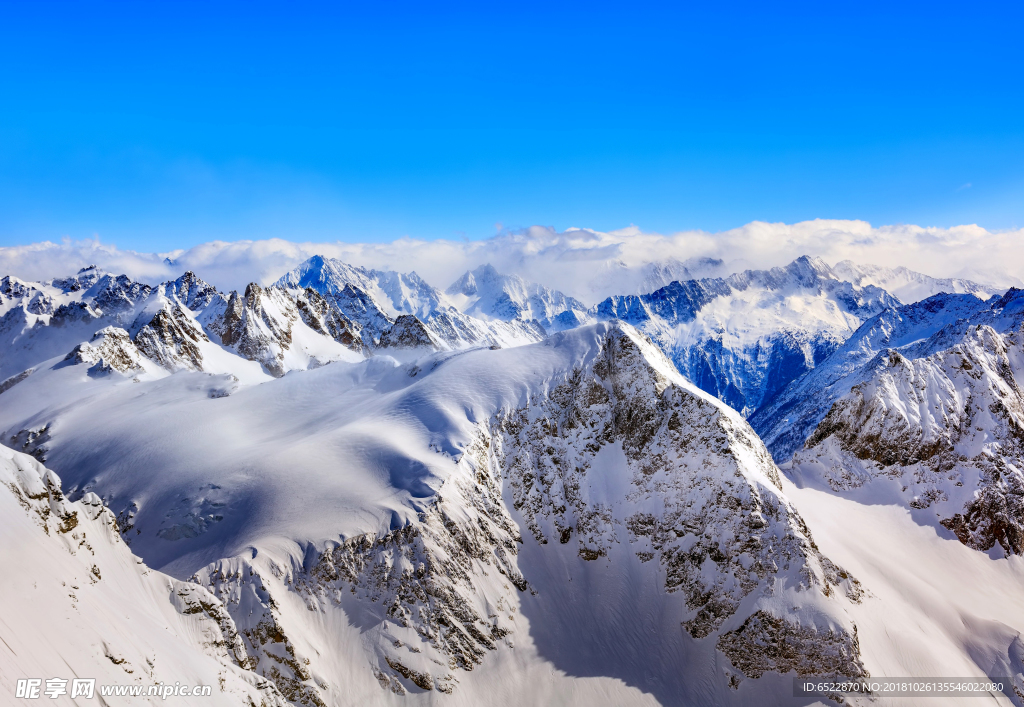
(351,487)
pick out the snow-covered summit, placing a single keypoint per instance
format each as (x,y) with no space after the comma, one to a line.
(488,294)
(397,293)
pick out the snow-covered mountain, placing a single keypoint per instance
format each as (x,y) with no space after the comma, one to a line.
(926,409)
(375,299)
(487,294)
(482,492)
(182,324)
(922,328)
(745,337)
(354,488)
(907,285)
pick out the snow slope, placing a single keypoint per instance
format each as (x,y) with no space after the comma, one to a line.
(78,603)
(935,608)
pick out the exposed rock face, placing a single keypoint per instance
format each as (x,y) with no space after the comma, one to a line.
(323,318)
(408,332)
(14,380)
(113,295)
(73,312)
(701,497)
(258,325)
(111,349)
(360,307)
(171,339)
(948,428)
(767,643)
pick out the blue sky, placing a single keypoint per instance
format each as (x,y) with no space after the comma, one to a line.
(163,126)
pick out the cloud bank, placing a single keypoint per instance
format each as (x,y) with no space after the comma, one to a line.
(585,263)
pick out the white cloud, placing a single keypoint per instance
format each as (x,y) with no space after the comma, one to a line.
(586,263)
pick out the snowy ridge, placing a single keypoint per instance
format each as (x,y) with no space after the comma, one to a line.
(909,286)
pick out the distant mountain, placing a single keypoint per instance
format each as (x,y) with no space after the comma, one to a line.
(906,285)
(745,337)
(487,294)
(926,327)
(375,298)
(936,424)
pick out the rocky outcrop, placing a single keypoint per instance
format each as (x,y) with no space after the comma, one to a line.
(408,332)
(766,643)
(110,349)
(258,325)
(171,339)
(327,320)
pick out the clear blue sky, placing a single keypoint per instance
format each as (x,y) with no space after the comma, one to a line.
(157,126)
